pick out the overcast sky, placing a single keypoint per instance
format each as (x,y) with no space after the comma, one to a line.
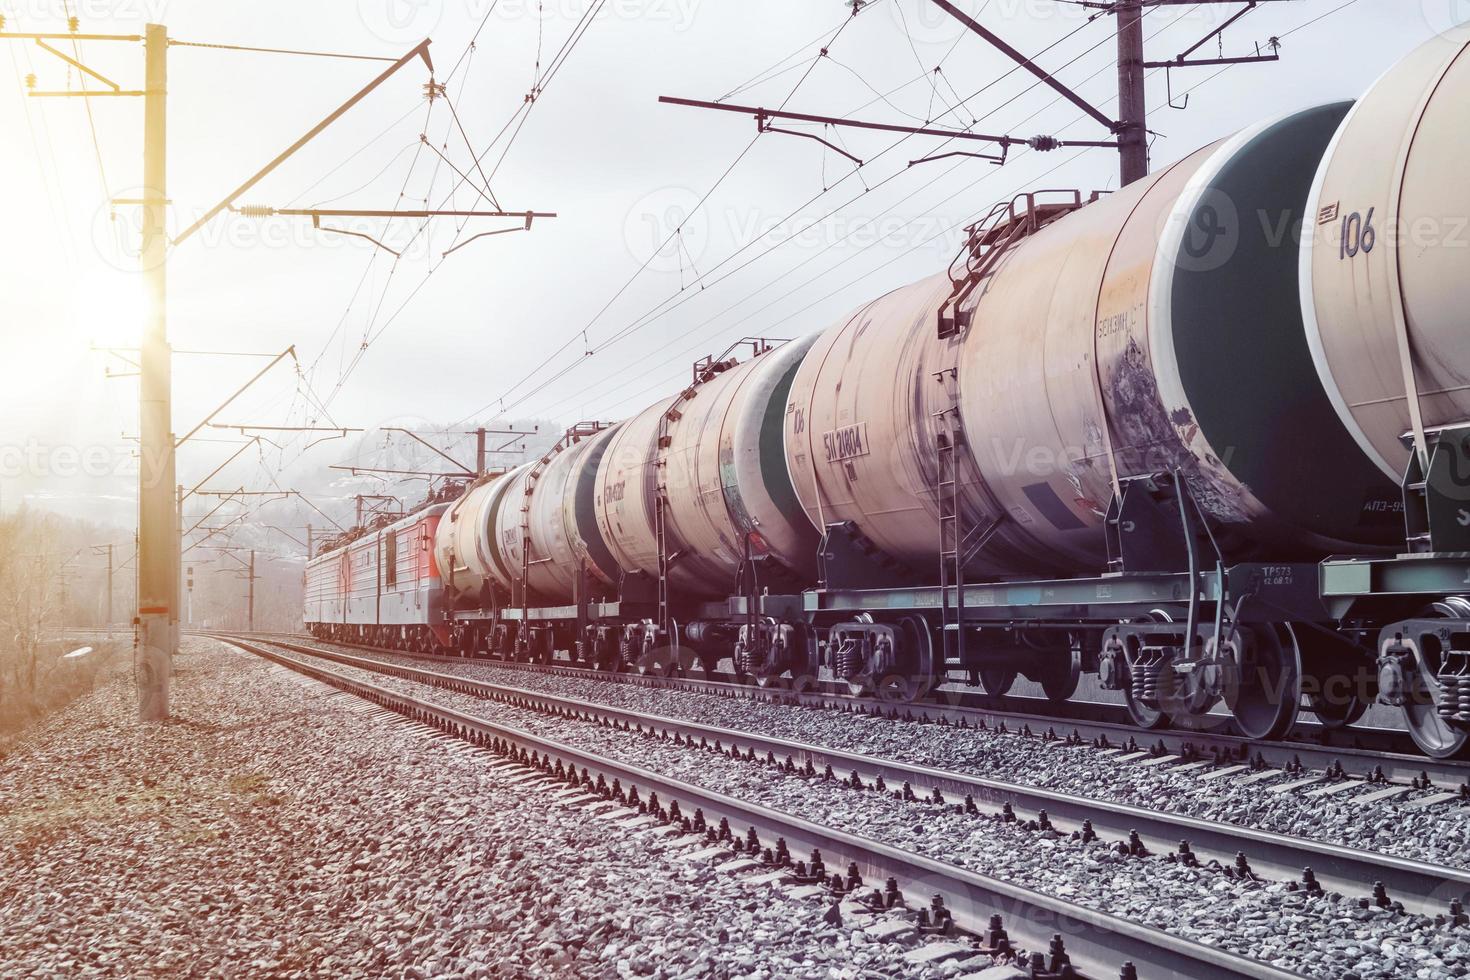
(449,339)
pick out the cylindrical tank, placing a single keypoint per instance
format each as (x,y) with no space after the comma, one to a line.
(541,500)
(579,517)
(1264,452)
(1144,333)
(1387,270)
(465,543)
(723,476)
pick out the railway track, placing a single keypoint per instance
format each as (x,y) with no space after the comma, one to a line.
(1355,872)
(1377,753)
(1096,943)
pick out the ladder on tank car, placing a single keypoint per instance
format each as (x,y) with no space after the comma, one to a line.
(958,546)
(951,564)
(986,243)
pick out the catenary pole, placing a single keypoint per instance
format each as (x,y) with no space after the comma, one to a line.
(158,561)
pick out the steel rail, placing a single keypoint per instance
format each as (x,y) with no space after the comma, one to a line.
(1421,887)
(1089,719)
(1096,941)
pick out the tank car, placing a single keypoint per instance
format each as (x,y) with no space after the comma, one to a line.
(1204,437)
(1144,339)
(1385,285)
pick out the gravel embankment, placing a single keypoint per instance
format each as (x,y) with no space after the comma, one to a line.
(1322,937)
(1437,835)
(276,828)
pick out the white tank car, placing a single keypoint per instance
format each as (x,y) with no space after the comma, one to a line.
(715,453)
(1385,275)
(1153,330)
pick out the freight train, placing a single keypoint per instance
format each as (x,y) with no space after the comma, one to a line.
(1206,437)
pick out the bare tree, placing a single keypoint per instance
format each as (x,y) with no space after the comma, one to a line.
(45,588)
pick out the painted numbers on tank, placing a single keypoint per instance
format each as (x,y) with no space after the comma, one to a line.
(1358,235)
(848,442)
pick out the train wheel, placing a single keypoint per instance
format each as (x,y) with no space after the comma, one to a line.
(794,659)
(997,681)
(1263,690)
(1334,713)
(916,662)
(1337,679)
(806,667)
(1061,675)
(652,658)
(1434,736)
(1142,715)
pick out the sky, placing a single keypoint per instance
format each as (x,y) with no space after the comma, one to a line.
(678,231)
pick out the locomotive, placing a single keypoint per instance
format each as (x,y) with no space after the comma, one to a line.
(1206,437)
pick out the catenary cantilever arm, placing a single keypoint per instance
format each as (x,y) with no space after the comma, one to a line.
(421,51)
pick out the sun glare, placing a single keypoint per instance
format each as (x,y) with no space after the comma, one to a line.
(110,310)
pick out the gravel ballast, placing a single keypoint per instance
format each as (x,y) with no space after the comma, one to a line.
(1315,936)
(1437,835)
(275,827)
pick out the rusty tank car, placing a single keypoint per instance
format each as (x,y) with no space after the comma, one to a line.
(1206,437)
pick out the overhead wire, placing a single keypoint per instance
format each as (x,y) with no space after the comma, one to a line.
(91,122)
(674,301)
(346,369)
(523,113)
(176,43)
(761,77)
(868,273)
(762,290)
(913,47)
(947,82)
(571,340)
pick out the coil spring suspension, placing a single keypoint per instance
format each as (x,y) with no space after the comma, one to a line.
(1147,676)
(745,660)
(848,661)
(1454,690)
(629,646)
